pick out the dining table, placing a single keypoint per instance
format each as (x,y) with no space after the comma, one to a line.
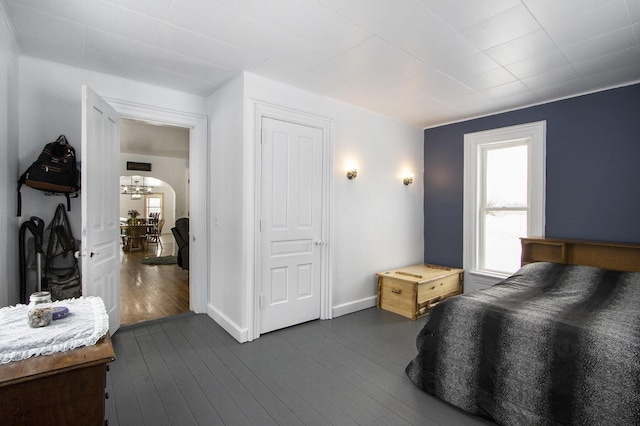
(133,236)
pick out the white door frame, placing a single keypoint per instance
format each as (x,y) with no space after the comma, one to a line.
(266,110)
(198,193)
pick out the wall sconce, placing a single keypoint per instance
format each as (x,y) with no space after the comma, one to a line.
(408,180)
(352,174)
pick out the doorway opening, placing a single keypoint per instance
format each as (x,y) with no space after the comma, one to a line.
(152,284)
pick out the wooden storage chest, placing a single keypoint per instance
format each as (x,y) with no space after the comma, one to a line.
(413,290)
(64,388)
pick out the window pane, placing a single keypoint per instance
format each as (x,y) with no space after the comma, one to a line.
(502,234)
(506,177)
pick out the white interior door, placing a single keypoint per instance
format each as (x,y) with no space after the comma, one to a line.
(291,224)
(100,203)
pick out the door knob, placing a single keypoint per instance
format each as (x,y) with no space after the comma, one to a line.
(318,242)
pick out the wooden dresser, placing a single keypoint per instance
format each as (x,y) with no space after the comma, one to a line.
(413,290)
(64,388)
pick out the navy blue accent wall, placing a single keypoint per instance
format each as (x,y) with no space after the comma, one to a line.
(593,171)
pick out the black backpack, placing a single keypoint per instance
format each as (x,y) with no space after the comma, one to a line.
(55,171)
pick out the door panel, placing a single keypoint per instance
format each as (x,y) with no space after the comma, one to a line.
(100,201)
(291,224)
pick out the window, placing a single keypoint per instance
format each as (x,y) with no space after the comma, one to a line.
(503,199)
(153,203)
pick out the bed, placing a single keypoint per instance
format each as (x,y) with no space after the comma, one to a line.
(558,342)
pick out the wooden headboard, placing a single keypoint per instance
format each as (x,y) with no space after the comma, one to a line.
(614,256)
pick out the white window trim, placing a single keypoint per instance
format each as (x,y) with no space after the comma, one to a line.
(474,279)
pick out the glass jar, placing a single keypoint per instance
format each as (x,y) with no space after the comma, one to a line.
(40,313)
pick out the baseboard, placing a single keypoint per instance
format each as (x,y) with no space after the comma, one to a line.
(355,306)
(238,333)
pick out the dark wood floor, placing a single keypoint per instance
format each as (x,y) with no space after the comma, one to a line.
(149,292)
(187,370)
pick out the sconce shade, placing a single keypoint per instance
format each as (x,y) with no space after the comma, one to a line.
(408,180)
(352,174)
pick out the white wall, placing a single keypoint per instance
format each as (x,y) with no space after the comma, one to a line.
(376,221)
(9,223)
(50,105)
(227,301)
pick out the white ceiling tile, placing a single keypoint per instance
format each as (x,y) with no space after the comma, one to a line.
(414,28)
(335,34)
(256,37)
(501,28)
(115,46)
(470,66)
(538,64)
(368,55)
(563,90)
(46,26)
(553,77)
(493,78)
(300,55)
(445,50)
(276,70)
(619,59)
(514,88)
(553,12)
(203,17)
(181,64)
(437,85)
(116,20)
(372,15)
(421,61)
(178,81)
(464,15)
(313,83)
(51,50)
(522,48)
(633,8)
(153,8)
(71,10)
(591,24)
(330,31)
(472,100)
(114,65)
(516,101)
(208,50)
(289,16)
(401,70)
(615,77)
(242,6)
(621,39)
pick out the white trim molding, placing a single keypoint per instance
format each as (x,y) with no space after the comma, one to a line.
(198,184)
(535,135)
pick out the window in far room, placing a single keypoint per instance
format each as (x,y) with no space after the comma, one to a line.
(154,203)
(503,199)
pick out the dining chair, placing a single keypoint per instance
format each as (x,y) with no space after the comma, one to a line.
(153,235)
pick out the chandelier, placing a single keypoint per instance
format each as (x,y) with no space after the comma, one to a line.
(135,189)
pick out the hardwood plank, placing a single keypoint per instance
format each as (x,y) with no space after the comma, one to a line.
(207,379)
(122,403)
(150,292)
(241,394)
(175,406)
(151,409)
(346,371)
(199,405)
